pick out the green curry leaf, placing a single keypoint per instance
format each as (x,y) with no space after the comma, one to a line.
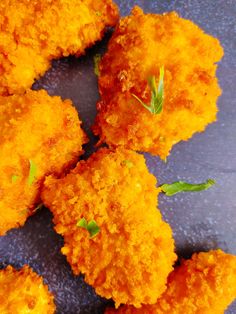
(90,226)
(32,172)
(157,94)
(97,59)
(180,186)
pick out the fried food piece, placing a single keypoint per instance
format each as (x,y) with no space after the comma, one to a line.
(205,284)
(23,291)
(130,258)
(35,32)
(39,135)
(140,46)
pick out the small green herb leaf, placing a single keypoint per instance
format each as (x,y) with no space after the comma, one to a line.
(97,59)
(127,163)
(157,96)
(32,172)
(15,178)
(180,186)
(82,223)
(91,227)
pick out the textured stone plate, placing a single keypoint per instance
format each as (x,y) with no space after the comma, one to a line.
(200,221)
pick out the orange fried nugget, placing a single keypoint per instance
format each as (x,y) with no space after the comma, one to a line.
(39,135)
(33,32)
(23,292)
(140,46)
(205,284)
(130,258)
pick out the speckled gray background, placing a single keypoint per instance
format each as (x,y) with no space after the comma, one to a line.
(200,221)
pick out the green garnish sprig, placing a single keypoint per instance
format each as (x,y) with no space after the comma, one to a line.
(90,226)
(180,186)
(97,59)
(32,172)
(127,163)
(157,96)
(31,176)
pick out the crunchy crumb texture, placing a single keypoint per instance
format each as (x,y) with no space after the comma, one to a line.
(40,135)
(206,284)
(35,32)
(140,46)
(131,257)
(23,292)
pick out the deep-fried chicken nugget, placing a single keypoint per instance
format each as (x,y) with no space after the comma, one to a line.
(33,32)
(23,292)
(206,284)
(139,47)
(131,257)
(40,135)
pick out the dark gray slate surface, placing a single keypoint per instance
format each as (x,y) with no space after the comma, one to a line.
(200,221)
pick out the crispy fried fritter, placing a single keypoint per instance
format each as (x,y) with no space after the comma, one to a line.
(33,32)
(131,257)
(39,135)
(206,284)
(23,292)
(139,47)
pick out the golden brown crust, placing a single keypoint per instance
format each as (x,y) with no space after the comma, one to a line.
(35,32)
(36,130)
(140,45)
(204,284)
(23,291)
(131,257)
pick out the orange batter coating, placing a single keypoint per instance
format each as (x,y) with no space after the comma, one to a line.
(33,32)
(130,258)
(206,284)
(23,292)
(140,46)
(40,135)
